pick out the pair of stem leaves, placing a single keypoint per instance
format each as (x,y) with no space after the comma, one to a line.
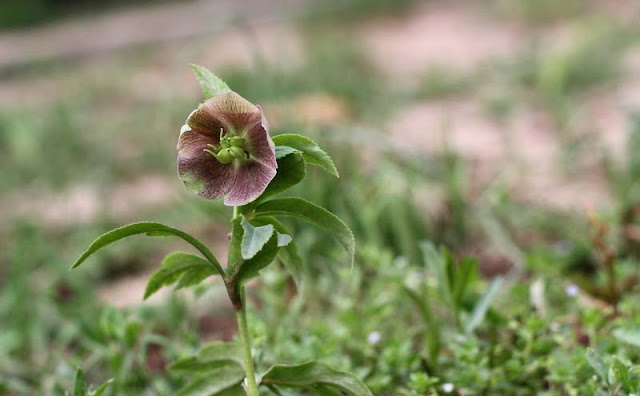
(218,370)
(257,236)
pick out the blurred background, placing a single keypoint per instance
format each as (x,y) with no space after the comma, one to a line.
(492,126)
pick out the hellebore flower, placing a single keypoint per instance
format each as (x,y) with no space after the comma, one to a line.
(225,150)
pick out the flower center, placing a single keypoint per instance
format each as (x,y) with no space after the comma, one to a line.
(229,149)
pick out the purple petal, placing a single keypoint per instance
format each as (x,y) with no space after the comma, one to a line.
(202,119)
(234,111)
(251,180)
(192,142)
(261,147)
(203,174)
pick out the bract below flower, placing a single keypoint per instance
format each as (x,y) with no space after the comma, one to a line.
(225,150)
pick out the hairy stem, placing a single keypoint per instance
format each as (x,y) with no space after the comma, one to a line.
(245,339)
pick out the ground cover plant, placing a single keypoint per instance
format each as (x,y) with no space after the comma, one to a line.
(492,197)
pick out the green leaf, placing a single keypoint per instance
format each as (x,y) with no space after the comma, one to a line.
(221,351)
(432,335)
(100,390)
(211,84)
(289,254)
(80,387)
(314,374)
(195,365)
(254,238)
(251,268)
(312,213)
(481,308)
(596,362)
(436,264)
(284,239)
(621,373)
(630,336)
(153,229)
(311,152)
(239,269)
(176,265)
(214,382)
(283,151)
(236,390)
(291,171)
(195,276)
(462,278)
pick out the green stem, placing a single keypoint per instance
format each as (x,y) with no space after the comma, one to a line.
(236,212)
(245,339)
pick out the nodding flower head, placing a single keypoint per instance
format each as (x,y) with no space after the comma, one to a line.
(225,150)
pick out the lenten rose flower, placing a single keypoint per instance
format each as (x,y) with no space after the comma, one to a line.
(225,150)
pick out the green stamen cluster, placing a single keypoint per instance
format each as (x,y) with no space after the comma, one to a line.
(230,148)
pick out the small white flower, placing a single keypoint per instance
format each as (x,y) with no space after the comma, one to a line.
(572,290)
(373,338)
(447,388)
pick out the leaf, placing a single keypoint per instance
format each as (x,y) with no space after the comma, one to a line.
(254,238)
(214,382)
(153,229)
(630,336)
(251,268)
(194,365)
(596,362)
(100,390)
(463,277)
(211,84)
(239,269)
(437,265)
(432,335)
(195,276)
(314,374)
(291,171)
(221,351)
(312,213)
(283,151)
(236,390)
(481,308)
(311,152)
(288,255)
(175,265)
(80,387)
(284,239)
(621,373)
